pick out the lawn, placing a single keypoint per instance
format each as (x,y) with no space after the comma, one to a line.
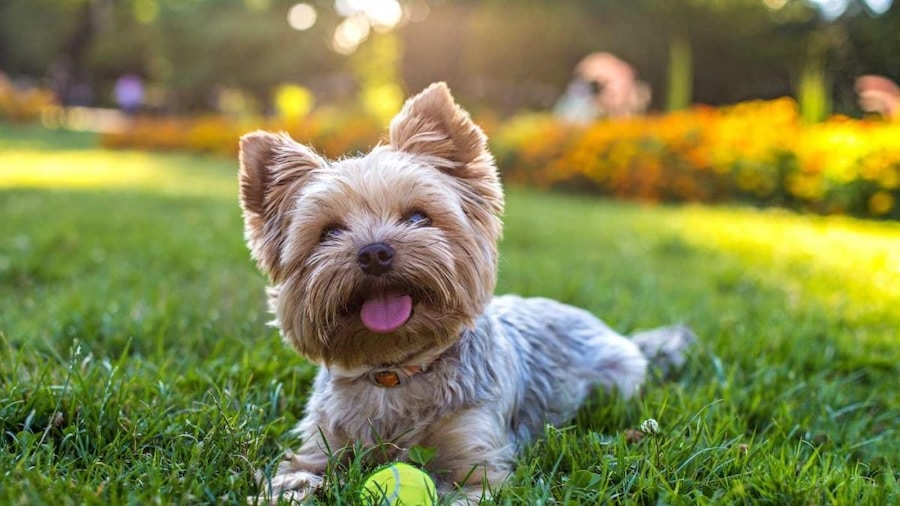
(136,364)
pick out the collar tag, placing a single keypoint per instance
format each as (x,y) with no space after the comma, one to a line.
(390,378)
(387,379)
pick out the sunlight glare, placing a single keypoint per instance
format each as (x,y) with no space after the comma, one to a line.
(845,258)
(107,170)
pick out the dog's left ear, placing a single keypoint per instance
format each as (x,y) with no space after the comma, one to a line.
(273,169)
(433,126)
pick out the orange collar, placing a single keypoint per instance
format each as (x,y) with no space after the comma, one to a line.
(390,378)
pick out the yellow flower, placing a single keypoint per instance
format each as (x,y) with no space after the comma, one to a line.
(881,203)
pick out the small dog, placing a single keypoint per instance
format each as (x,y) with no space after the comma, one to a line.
(382,270)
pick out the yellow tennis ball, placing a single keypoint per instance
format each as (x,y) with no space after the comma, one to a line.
(399,484)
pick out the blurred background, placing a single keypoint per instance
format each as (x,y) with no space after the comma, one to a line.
(690,100)
(504,55)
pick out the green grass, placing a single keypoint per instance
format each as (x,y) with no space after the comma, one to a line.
(136,366)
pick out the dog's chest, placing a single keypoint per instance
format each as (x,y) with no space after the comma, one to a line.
(374,414)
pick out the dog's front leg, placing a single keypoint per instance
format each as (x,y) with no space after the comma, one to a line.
(474,453)
(300,472)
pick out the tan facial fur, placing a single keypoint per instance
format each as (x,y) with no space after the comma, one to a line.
(307,218)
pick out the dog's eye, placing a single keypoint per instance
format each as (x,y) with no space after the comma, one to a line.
(332,232)
(418,218)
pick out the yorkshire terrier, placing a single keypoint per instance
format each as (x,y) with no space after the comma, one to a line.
(382,270)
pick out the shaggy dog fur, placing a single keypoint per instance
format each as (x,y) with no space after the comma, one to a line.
(382,270)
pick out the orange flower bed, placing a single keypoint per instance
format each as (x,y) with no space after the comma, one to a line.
(22,106)
(758,152)
(755,152)
(331,135)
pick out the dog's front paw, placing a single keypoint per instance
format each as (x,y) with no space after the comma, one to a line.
(292,487)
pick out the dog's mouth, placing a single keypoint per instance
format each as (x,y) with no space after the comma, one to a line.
(385,308)
(385,305)
(385,312)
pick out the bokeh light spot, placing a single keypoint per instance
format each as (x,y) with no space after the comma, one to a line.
(293,102)
(879,7)
(256,5)
(145,11)
(350,34)
(302,17)
(417,11)
(384,14)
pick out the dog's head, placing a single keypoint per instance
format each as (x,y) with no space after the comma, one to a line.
(376,258)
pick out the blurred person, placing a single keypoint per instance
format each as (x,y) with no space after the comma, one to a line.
(577,103)
(879,95)
(604,86)
(129,93)
(71,86)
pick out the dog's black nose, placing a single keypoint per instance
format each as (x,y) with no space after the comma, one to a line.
(375,258)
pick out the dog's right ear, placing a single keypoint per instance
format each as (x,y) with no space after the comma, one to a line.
(273,168)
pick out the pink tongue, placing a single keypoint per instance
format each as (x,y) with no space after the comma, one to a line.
(386,313)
